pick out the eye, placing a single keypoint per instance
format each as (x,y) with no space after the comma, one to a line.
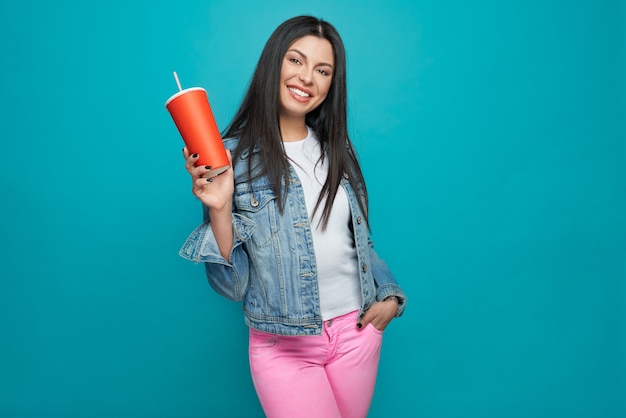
(295,61)
(324,72)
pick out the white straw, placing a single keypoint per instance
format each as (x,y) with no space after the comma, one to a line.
(177,81)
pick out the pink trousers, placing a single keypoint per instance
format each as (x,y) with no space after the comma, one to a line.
(330,375)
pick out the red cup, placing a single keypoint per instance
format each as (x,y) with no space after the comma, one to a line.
(191,112)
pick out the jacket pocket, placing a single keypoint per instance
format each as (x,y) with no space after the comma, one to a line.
(260,207)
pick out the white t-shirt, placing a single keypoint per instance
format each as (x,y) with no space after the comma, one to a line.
(337,264)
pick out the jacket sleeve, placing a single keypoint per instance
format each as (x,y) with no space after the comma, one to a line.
(229,278)
(386,284)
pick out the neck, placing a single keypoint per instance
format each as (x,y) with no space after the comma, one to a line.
(293,129)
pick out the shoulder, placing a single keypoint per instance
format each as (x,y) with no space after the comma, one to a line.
(230,143)
(241,163)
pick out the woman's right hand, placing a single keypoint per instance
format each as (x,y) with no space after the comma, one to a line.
(215,192)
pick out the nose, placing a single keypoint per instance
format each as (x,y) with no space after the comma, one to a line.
(306,75)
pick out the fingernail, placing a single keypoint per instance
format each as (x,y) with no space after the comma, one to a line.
(208,167)
(359,325)
(195,155)
(210,180)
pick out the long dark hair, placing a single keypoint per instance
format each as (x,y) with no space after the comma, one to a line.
(256,123)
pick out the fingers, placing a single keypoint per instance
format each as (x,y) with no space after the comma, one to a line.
(365,319)
(380,323)
(379,315)
(199,171)
(202,181)
(196,171)
(190,162)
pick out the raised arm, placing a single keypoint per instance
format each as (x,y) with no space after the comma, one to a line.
(216,193)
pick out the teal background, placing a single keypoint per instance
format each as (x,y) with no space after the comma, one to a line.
(493,139)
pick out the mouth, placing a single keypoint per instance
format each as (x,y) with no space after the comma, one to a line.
(299,92)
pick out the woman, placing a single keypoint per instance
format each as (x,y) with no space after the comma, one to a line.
(286,232)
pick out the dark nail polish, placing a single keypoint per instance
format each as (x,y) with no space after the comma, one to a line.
(210,180)
(359,325)
(208,167)
(195,155)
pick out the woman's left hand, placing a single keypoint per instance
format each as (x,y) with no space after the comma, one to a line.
(380,314)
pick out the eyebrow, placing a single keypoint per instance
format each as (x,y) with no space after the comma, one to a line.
(305,57)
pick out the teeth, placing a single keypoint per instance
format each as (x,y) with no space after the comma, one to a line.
(298,92)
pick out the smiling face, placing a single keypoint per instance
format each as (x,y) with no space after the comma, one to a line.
(305,77)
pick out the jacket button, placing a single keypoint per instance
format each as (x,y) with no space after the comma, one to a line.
(359,219)
(364,267)
(254,202)
(346,176)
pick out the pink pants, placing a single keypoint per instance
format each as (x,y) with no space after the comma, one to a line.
(330,375)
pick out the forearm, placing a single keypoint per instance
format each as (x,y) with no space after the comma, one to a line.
(222,226)
(386,285)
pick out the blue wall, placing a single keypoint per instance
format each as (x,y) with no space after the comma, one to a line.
(496,128)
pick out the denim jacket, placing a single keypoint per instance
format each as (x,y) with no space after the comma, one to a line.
(272,266)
